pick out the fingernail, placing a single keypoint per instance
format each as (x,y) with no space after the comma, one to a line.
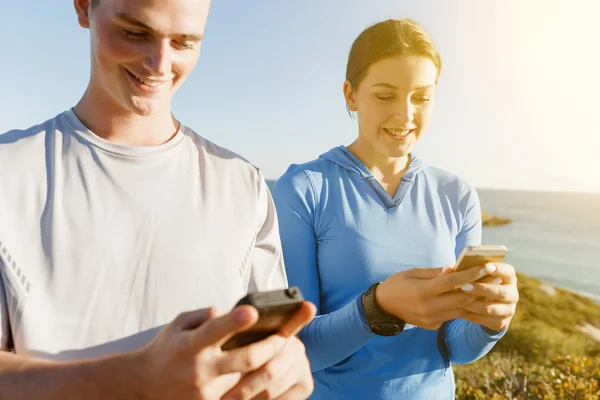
(482,272)
(447,269)
(490,268)
(243,317)
(467,288)
(497,281)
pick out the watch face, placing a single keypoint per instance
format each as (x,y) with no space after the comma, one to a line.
(385,328)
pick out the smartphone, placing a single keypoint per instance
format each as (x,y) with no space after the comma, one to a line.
(274,307)
(477,256)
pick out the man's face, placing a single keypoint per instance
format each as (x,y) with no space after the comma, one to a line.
(142,50)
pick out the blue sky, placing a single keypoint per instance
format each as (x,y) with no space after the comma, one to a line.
(516,106)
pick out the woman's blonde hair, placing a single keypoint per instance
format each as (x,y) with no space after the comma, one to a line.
(392,37)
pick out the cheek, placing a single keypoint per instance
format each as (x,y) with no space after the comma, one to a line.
(423,117)
(372,115)
(115,49)
(184,65)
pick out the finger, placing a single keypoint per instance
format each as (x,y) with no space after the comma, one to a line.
(221,384)
(493,280)
(269,381)
(251,357)
(506,272)
(453,281)
(448,269)
(500,293)
(433,324)
(491,309)
(493,323)
(298,391)
(448,306)
(423,273)
(452,300)
(302,317)
(193,319)
(217,331)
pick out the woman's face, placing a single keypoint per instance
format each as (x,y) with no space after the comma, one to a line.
(394,103)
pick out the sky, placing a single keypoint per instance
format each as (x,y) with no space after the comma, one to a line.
(516,108)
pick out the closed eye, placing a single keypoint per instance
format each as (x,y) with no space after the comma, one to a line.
(184,45)
(422,99)
(134,35)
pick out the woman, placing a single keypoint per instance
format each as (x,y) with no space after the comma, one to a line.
(366,229)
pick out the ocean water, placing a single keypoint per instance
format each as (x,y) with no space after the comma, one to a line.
(554,237)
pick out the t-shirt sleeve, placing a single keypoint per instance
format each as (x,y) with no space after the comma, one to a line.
(267,269)
(5,335)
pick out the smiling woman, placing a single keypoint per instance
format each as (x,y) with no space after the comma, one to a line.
(366,230)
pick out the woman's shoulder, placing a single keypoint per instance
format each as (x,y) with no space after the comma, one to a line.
(301,177)
(311,173)
(447,182)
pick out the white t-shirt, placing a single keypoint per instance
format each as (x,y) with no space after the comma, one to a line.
(102,244)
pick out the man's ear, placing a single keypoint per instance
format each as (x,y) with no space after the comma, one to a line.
(82,8)
(349,96)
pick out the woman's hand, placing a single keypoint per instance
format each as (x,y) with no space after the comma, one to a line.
(497,297)
(428,297)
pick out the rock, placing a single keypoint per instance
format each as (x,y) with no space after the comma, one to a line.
(548,289)
(490,220)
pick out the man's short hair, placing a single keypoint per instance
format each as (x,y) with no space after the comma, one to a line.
(95,3)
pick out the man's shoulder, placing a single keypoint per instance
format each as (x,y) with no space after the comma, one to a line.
(30,138)
(222,161)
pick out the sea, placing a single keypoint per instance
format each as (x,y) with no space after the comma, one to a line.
(553,236)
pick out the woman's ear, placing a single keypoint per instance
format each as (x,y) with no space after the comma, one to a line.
(349,96)
(82,8)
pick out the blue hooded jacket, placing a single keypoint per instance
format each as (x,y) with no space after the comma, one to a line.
(341,232)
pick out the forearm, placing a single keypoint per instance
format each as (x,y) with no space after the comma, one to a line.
(467,341)
(115,377)
(333,337)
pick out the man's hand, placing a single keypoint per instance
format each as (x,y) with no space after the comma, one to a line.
(285,376)
(185,360)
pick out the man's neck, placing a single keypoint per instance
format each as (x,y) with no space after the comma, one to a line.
(113,123)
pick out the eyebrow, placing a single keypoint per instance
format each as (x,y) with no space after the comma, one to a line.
(132,21)
(389,85)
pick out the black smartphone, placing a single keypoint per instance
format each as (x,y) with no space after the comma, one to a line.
(274,307)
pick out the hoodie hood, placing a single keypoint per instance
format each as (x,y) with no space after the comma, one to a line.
(341,156)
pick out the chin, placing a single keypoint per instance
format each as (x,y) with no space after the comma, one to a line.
(145,107)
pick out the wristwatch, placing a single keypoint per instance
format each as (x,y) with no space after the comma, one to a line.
(380,322)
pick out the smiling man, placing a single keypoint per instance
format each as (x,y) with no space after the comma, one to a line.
(116,220)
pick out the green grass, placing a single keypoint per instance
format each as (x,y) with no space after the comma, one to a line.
(543,355)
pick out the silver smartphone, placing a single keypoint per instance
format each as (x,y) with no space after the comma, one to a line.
(477,256)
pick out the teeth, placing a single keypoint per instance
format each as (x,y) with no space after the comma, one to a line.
(149,83)
(398,133)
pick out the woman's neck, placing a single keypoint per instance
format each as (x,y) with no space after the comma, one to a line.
(387,170)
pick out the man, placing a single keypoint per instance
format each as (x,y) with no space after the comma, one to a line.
(115,218)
